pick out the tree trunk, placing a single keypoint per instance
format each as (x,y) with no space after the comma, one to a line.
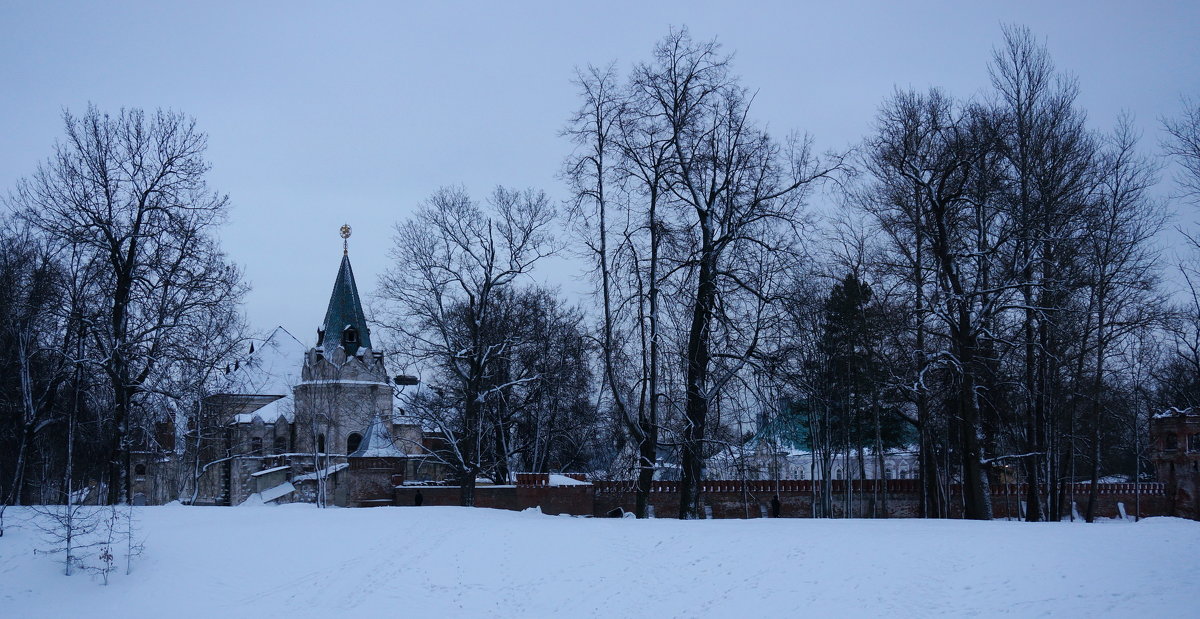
(466,488)
(696,405)
(647,455)
(977,502)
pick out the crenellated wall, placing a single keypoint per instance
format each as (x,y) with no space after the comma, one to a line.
(752,499)
(896,498)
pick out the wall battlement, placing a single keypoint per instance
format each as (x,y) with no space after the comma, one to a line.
(751,499)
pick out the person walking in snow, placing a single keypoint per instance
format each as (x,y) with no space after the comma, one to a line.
(418,498)
(776,506)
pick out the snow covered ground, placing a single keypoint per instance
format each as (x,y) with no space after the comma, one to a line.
(299,561)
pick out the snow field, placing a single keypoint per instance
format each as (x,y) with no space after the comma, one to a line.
(299,561)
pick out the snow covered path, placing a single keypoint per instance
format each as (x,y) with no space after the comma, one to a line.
(299,561)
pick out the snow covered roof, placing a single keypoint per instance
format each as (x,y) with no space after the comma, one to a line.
(270,470)
(267,366)
(326,472)
(268,495)
(377,442)
(1177,412)
(563,480)
(271,413)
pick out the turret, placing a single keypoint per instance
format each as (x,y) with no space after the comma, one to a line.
(345,324)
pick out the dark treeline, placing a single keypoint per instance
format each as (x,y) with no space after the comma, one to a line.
(117,303)
(987,292)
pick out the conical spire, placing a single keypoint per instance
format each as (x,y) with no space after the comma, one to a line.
(345,323)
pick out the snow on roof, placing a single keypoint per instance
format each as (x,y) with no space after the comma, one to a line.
(563,480)
(272,368)
(271,413)
(377,442)
(1177,412)
(270,494)
(867,451)
(271,470)
(326,472)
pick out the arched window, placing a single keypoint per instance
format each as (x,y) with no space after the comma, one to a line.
(321,443)
(256,445)
(350,335)
(352,442)
(281,445)
(1170,441)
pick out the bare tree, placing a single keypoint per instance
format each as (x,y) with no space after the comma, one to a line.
(548,423)
(1183,144)
(592,173)
(931,156)
(129,191)
(619,175)
(453,260)
(1122,272)
(739,194)
(1047,162)
(33,357)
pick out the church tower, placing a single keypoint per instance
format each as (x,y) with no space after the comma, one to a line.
(343,383)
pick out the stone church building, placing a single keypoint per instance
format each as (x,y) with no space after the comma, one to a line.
(288,420)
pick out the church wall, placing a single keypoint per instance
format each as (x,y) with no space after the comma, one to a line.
(409,438)
(155,477)
(339,396)
(336,488)
(370,480)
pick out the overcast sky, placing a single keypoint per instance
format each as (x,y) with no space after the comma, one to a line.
(320,114)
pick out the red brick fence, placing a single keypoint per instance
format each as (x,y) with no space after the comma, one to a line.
(863,498)
(750,499)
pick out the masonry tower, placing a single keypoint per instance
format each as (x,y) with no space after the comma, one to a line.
(343,383)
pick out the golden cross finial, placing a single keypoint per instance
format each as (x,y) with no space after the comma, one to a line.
(345,242)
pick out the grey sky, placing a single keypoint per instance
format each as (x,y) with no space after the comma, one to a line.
(325,113)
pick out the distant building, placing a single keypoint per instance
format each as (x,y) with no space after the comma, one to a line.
(289,420)
(766,461)
(1175,451)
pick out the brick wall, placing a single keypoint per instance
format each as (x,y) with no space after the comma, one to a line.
(532,490)
(573,500)
(495,497)
(1176,457)
(369,482)
(751,499)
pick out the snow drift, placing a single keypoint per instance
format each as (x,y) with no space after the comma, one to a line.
(300,561)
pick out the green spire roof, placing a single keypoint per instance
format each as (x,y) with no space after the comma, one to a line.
(345,323)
